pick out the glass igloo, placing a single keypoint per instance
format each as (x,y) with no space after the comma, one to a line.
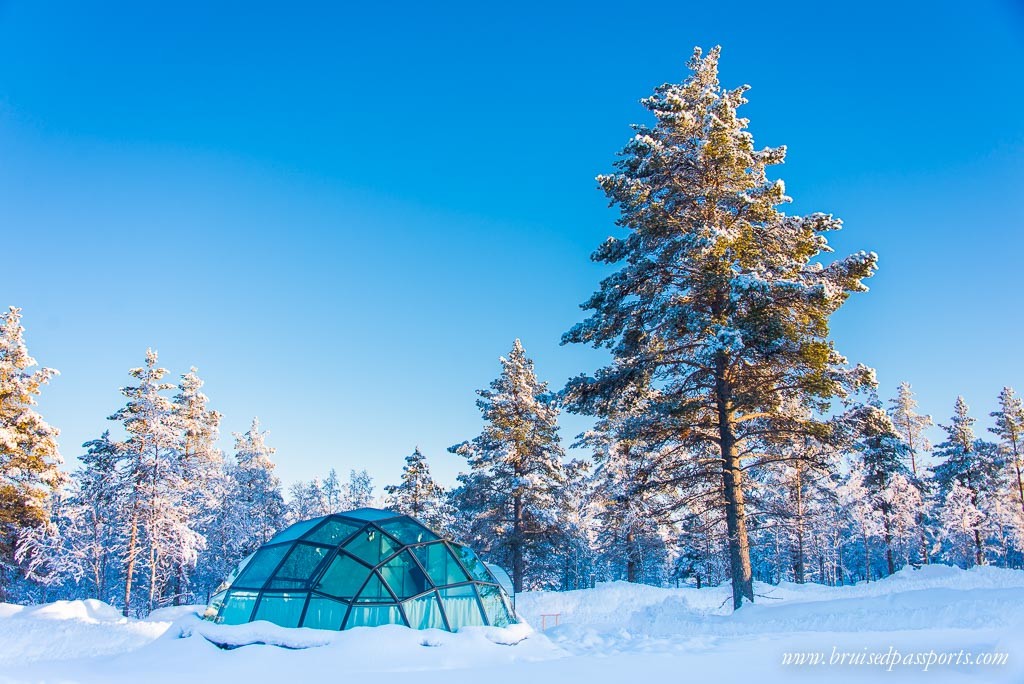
(365,567)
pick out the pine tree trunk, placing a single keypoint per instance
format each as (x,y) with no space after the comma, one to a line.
(631,569)
(152,528)
(518,565)
(798,564)
(919,517)
(732,484)
(925,558)
(888,543)
(152,576)
(867,555)
(1020,481)
(979,557)
(129,573)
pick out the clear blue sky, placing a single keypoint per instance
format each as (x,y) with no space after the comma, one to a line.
(344,214)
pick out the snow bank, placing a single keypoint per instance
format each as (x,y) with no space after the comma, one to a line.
(385,648)
(66,630)
(615,632)
(646,609)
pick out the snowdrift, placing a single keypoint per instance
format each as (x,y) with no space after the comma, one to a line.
(615,632)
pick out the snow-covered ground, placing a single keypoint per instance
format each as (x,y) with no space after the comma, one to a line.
(614,633)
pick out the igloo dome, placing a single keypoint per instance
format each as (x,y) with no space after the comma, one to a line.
(365,567)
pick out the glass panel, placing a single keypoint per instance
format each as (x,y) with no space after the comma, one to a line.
(494,605)
(371,546)
(441,566)
(238,607)
(407,531)
(236,572)
(300,564)
(281,609)
(424,612)
(332,532)
(461,607)
(343,578)
(294,531)
(259,568)
(475,566)
(499,573)
(324,613)
(216,603)
(374,592)
(372,616)
(404,576)
(370,514)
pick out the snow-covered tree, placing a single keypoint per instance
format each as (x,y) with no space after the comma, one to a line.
(791,493)
(29,457)
(911,427)
(258,510)
(631,520)
(634,491)
(306,500)
(963,525)
(159,520)
(1009,428)
(883,456)
(865,518)
(719,297)
(974,466)
(99,500)
(419,495)
(334,494)
(513,495)
(201,469)
(575,550)
(358,491)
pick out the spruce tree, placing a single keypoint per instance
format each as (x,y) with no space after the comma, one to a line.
(911,427)
(719,296)
(29,457)
(203,477)
(100,498)
(258,506)
(1009,428)
(883,455)
(419,495)
(513,494)
(967,465)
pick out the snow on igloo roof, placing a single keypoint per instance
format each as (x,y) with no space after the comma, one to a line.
(362,568)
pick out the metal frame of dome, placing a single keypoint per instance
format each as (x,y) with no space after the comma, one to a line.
(364,567)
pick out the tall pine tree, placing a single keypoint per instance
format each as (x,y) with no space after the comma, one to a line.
(257,504)
(203,477)
(911,427)
(967,475)
(512,495)
(719,296)
(159,525)
(29,457)
(1009,428)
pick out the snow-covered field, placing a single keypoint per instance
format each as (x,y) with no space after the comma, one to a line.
(614,633)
